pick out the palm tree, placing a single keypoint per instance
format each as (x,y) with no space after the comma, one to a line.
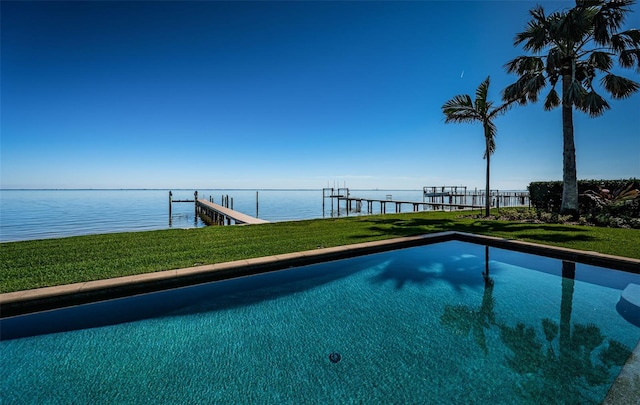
(461,109)
(573,46)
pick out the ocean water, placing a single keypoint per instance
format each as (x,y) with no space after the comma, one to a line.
(40,214)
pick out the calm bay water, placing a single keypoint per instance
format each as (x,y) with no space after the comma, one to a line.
(40,214)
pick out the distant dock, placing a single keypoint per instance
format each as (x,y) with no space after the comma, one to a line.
(217,214)
(220,215)
(433,198)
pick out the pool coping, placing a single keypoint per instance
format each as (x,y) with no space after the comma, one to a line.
(47,298)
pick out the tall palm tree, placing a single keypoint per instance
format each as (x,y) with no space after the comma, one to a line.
(461,109)
(572,47)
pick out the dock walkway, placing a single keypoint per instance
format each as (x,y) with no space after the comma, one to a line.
(398,204)
(220,215)
(433,198)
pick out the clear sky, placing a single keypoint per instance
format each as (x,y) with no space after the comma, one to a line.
(279,95)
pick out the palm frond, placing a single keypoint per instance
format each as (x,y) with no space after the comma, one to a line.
(600,60)
(481,104)
(525,64)
(610,18)
(460,100)
(607,20)
(583,72)
(552,100)
(535,38)
(555,60)
(601,34)
(513,94)
(617,43)
(632,37)
(575,24)
(574,94)
(586,73)
(628,39)
(495,112)
(490,131)
(626,193)
(526,89)
(630,57)
(536,35)
(534,86)
(459,109)
(593,104)
(619,87)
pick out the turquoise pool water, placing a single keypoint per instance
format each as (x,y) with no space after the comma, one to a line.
(418,325)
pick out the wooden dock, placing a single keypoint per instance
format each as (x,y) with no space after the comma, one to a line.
(217,214)
(434,198)
(416,205)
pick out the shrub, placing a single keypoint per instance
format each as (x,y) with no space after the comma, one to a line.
(598,205)
(546,196)
(617,208)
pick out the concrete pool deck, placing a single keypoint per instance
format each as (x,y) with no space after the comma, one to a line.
(624,390)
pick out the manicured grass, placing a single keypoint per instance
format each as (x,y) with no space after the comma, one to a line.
(33,264)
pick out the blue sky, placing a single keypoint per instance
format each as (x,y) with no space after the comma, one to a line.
(279,95)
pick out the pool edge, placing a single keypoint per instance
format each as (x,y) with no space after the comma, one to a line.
(47,298)
(626,386)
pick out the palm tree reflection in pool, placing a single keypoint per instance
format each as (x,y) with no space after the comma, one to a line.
(573,361)
(464,319)
(576,362)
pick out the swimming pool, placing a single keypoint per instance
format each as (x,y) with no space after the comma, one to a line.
(416,325)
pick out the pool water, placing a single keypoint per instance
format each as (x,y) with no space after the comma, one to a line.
(417,325)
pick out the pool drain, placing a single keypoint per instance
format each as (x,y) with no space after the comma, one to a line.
(335,357)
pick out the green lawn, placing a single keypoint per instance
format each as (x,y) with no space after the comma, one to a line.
(33,264)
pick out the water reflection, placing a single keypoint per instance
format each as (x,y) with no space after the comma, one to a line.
(410,268)
(464,319)
(571,360)
(184,218)
(574,360)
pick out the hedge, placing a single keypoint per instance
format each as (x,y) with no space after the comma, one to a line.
(547,195)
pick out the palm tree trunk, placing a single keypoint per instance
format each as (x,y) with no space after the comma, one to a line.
(569,204)
(566,305)
(487,201)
